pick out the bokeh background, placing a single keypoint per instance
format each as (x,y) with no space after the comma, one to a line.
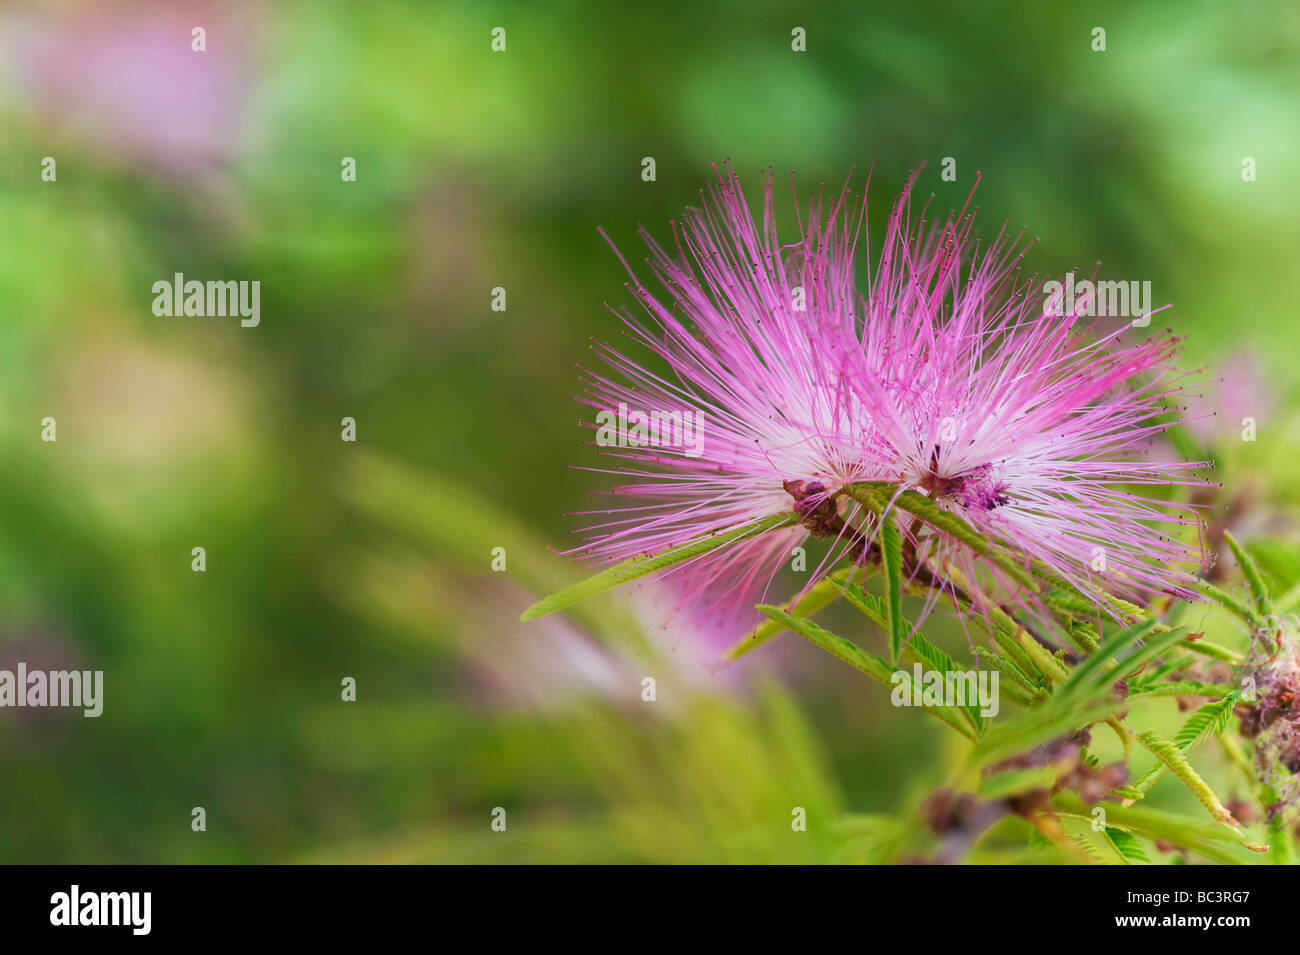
(371,559)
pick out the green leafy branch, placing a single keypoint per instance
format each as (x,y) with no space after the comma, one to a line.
(1085,670)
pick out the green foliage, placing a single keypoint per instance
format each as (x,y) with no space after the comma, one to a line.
(1017,781)
(1213,842)
(1054,718)
(1178,688)
(891,547)
(880,497)
(1126,846)
(1210,719)
(1119,657)
(1061,694)
(820,595)
(637,567)
(1229,603)
(1258,589)
(846,650)
(875,667)
(1176,762)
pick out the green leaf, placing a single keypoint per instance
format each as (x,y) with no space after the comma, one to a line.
(874,609)
(1011,647)
(1083,637)
(1073,603)
(1281,843)
(1105,667)
(846,650)
(1043,658)
(1177,763)
(891,546)
(1209,719)
(1126,846)
(1054,718)
(918,648)
(1125,608)
(1212,718)
(818,597)
(872,839)
(870,605)
(1021,689)
(1213,842)
(876,496)
(1150,679)
(1084,698)
(1212,650)
(1228,602)
(1279,561)
(870,664)
(1094,670)
(636,567)
(1088,847)
(1180,688)
(1016,781)
(1258,589)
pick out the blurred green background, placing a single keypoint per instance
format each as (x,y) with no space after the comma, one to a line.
(371,560)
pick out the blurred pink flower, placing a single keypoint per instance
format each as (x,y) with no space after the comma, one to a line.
(124,77)
(517,666)
(1242,391)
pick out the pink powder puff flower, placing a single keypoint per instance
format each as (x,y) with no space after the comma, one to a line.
(756,348)
(1028,425)
(772,384)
